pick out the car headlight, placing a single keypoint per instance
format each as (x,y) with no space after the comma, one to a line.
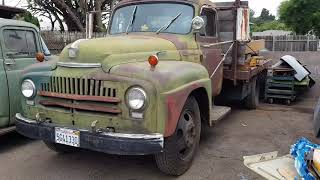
(28,88)
(136,98)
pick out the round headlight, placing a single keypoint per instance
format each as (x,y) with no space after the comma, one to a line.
(136,98)
(28,88)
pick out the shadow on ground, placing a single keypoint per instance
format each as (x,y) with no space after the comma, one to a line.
(11,141)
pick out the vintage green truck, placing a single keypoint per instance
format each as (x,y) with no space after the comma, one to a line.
(148,87)
(20,42)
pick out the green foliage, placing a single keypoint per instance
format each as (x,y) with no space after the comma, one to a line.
(28,17)
(301,15)
(272,25)
(265,16)
(266,21)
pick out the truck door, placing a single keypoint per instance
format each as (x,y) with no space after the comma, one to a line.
(212,54)
(4,99)
(20,46)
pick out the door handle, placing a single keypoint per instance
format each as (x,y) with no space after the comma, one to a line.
(9,63)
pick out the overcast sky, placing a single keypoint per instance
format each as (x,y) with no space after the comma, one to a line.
(256,5)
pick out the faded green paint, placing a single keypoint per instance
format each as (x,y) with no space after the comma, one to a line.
(115,50)
(124,60)
(10,75)
(4,108)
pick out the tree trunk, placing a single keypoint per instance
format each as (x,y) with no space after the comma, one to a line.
(71,15)
(98,18)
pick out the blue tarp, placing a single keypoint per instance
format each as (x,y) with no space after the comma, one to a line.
(298,151)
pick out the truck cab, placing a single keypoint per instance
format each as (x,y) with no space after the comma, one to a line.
(19,44)
(147,87)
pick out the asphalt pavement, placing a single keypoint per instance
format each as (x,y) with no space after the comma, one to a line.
(220,156)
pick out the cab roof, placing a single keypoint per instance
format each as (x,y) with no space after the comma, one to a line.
(199,2)
(11,22)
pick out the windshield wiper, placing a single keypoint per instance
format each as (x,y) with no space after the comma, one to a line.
(133,17)
(165,27)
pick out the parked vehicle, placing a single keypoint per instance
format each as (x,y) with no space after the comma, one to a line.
(20,44)
(147,88)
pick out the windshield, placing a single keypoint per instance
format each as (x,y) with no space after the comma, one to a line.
(152,17)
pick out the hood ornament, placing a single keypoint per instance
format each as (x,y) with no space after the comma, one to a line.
(73,50)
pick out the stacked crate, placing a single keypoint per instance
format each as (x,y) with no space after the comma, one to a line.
(280,85)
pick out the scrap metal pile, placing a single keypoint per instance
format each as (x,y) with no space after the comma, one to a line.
(286,80)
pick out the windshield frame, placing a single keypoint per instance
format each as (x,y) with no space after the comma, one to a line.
(150,2)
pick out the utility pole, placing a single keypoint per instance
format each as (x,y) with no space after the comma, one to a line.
(3,2)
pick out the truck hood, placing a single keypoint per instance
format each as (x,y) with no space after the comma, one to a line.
(115,50)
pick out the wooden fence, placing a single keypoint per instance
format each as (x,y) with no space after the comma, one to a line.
(290,43)
(56,40)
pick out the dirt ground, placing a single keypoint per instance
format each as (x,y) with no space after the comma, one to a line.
(270,128)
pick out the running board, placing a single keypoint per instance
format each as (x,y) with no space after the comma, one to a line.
(218,113)
(7,130)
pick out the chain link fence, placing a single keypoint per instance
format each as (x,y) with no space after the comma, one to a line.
(56,40)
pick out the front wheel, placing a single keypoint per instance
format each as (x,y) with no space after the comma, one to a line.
(180,148)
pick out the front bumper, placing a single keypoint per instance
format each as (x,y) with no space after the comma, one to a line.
(111,143)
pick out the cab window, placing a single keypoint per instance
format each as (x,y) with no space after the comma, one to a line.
(19,43)
(209,17)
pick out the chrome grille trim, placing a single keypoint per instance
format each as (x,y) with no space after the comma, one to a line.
(79,65)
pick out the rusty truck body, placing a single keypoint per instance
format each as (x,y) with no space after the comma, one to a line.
(149,86)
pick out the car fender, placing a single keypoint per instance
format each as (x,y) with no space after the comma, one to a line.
(174,81)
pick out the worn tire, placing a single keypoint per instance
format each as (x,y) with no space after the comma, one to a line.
(252,100)
(59,148)
(181,147)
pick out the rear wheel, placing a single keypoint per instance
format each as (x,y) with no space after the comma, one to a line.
(180,148)
(252,101)
(288,102)
(270,100)
(59,148)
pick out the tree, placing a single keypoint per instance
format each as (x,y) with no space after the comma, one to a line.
(302,16)
(266,21)
(264,17)
(28,17)
(72,12)
(252,13)
(273,25)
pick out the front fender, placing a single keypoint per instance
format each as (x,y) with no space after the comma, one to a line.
(174,82)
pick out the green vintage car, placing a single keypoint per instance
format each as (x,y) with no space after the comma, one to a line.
(19,43)
(147,87)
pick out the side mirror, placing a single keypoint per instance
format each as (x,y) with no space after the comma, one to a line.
(197,24)
(40,57)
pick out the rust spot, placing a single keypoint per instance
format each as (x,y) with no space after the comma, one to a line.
(86,107)
(175,103)
(80,97)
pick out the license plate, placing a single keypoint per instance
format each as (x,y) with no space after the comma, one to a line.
(67,137)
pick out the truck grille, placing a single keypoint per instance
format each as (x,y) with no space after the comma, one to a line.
(81,90)
(78,86)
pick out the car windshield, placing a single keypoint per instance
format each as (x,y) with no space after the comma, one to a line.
(155,17)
